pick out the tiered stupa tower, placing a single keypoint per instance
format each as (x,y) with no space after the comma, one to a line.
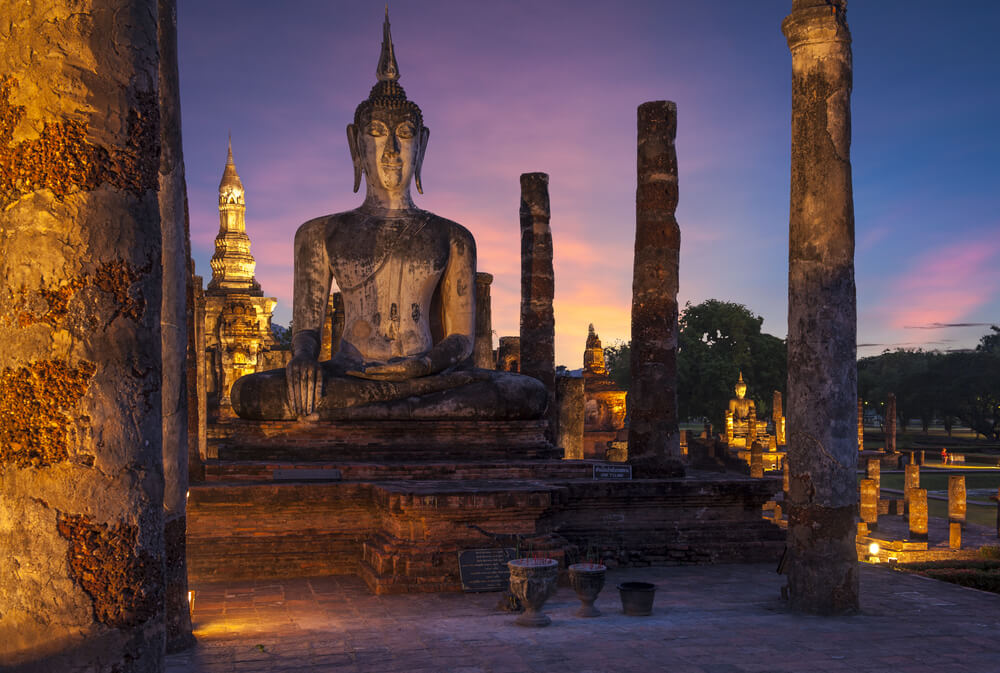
(232,264)
(238,338)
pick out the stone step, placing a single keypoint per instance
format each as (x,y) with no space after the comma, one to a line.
(279,471)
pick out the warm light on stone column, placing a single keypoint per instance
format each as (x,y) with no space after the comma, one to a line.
(81,462)
(821,411)
(569,432)
(653,443)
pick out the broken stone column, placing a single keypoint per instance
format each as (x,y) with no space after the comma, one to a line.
(873,470)
(861,424)
(890,424)
(756,460)
(911,480)
(482,353)
(198,385)
(173,333)
(778,417)
(654,445)
(785,478)
(918,513)
(337,335)
(822,562)
(869,503)
(538,327)
(569,431)
(751,427)
(81,459)
(957,504)
(326,334)
(955,535)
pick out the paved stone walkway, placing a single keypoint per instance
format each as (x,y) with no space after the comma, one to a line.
(709,619)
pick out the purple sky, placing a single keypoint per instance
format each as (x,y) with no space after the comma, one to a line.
(510,87)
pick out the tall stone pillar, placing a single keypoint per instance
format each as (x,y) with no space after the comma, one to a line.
(173,333)
(653,443)
(81,421)
(197,384)
(822,562)
(569,432)
(890,424)
(482,353)
(861,424)
(917,511)
(957,505)
(538,326)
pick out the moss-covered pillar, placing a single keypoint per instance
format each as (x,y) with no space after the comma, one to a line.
(654,448)
(822,563)
(174,333)
(538,326)
(81,463)
(482,354)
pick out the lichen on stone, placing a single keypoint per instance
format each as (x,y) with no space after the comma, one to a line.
(51,305)
(37,411)
(124,582)
(63,160)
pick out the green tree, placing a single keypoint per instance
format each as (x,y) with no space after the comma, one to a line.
(717,341)
(618,360)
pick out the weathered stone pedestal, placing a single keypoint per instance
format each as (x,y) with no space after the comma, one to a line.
(316,499)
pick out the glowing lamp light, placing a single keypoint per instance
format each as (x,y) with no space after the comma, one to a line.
(191,602)
(873,549)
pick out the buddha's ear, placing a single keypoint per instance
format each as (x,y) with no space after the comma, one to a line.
(425,133)
(352,144)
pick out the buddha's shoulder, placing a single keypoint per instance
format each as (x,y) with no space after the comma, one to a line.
(456,230)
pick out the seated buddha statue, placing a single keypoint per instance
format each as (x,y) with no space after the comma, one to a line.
(407,277)
(740,412)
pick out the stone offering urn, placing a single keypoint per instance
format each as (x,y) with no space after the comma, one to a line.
(587,580)
(533,581)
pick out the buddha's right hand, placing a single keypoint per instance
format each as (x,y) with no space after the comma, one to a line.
(304,378)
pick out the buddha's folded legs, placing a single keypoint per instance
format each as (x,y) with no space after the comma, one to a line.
(463,394)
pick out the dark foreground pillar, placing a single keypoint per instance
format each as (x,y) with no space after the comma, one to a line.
(538,326)
(81,462)
(173,334)
(653,443)
(822,563)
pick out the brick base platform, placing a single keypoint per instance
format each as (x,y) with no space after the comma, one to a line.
(404,534)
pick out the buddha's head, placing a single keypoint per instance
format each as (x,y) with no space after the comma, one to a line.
(741,387)
(388,136)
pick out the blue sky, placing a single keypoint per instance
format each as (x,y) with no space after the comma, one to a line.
(513,87)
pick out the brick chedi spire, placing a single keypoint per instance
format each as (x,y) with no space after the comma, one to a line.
(232,264)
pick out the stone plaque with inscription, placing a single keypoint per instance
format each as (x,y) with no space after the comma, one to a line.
(484,569)
(612,471)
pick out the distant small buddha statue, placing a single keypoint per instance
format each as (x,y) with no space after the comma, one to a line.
(407,277)
(741,411)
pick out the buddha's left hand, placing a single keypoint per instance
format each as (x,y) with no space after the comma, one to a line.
(399,370)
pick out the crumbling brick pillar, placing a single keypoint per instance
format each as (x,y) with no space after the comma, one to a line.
(174,333)
(482,354)
(653,441)
(822,562)
(81,418)
(538,326)
(569,432)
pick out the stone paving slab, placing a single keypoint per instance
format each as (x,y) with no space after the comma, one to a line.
(707,619)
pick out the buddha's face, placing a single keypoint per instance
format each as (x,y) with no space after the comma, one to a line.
(741,390)
(389,144)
